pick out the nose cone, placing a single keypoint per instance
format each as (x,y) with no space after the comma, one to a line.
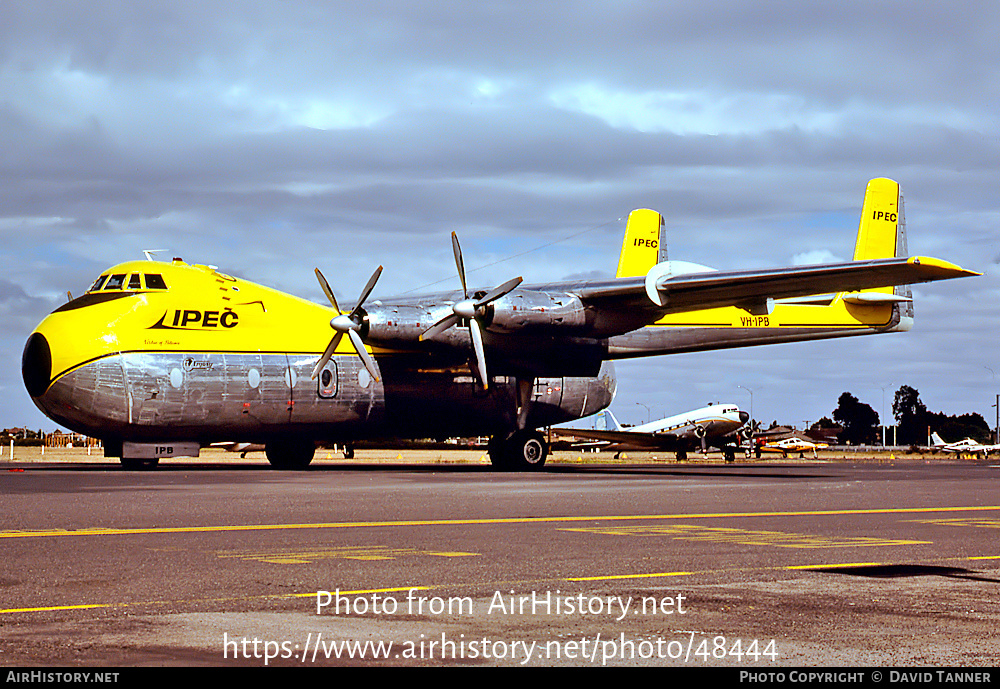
(744,417)
(36,365)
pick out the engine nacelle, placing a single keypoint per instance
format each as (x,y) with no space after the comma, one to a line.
(529,310)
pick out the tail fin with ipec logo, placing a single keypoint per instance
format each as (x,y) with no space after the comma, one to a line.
(882,234)
(644,245)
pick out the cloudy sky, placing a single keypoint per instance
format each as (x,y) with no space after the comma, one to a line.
(269,138)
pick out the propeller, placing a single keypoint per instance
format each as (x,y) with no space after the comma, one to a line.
(470,310)
(701,432)
(347,323)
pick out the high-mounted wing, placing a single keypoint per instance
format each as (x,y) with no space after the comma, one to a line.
(625,304)
(566,328)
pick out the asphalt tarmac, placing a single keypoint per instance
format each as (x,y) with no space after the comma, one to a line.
(396,559)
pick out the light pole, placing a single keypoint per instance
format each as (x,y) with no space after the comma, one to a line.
(647,411)
(883,387)
(997,405)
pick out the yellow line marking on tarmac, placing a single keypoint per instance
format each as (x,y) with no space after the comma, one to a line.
(838,564)
(61,607)
(778,539)
(364,592)
(611,577)
(962,521)
(471,522)
(365,553)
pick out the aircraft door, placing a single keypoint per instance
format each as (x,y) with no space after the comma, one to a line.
(326,380)
(343,392)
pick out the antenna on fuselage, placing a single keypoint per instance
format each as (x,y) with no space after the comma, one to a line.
(149,253)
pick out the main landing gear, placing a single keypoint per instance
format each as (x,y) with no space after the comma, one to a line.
(290,453)
(524,450)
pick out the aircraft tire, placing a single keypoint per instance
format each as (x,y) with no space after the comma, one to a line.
(290,454)
(525,451)
(133,464)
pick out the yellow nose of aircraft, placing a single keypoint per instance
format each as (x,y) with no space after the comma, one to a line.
(70,338)
(36,365)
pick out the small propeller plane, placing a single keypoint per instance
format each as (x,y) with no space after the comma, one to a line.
(963,447)
(159,358)
(793,444)
(715,425)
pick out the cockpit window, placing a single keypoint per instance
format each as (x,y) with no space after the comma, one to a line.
(97,283)
(115,282)
(154,281)
(135,281)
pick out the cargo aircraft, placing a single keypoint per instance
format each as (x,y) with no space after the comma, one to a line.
(158,359)
(715,425)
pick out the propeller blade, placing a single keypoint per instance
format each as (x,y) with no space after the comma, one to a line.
(367,290)
(349,324)
(466,310)
(477,344)
(326,290)
(439,327)
(327,355)
(498,292)
(366,358)
(459,263)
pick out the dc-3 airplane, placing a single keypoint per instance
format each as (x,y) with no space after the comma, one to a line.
(716,425)
(963,447)
(159,359)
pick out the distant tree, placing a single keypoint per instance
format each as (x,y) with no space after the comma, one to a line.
(953,428)
(859,420)
(911,417)
(825,422)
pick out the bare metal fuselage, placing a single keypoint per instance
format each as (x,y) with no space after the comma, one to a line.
(210,397)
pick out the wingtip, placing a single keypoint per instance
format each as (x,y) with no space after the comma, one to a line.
(941,267)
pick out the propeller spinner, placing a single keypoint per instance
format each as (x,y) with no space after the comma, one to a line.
(470,310)
(347,323)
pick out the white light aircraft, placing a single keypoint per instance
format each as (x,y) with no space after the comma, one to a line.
(786,445)
(962,447)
